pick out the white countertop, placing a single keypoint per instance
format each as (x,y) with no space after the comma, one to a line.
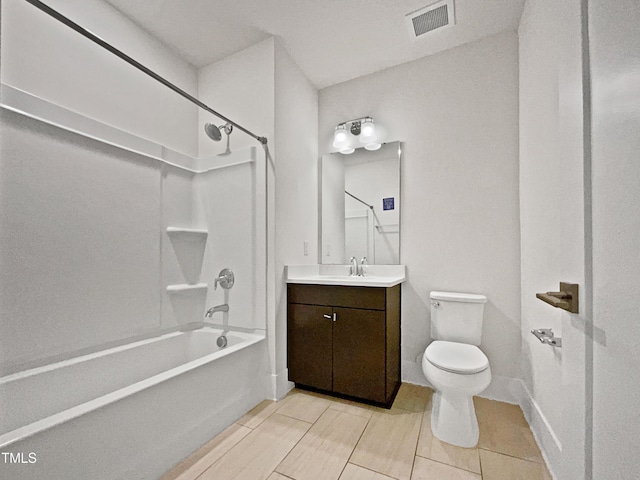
(375,275)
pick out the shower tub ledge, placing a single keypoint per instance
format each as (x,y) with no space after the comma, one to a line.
(130,412)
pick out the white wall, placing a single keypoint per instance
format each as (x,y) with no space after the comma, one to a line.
(457,116)
(229,208)
(79,242)
(615,68)
(48,59)
(551,232)
(296,187)
(241,87)
(264,90)
(84,260)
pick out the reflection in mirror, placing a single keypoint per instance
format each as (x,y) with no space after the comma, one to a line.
(360,206)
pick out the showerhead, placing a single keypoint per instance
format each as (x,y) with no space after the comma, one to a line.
(215,133)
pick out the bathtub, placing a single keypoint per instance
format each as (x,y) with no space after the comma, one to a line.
(129,412)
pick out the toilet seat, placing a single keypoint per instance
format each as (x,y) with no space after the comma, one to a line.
(456,357)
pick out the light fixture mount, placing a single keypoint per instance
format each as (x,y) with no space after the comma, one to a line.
(363,128)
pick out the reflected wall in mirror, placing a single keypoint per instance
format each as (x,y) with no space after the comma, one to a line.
(360,206)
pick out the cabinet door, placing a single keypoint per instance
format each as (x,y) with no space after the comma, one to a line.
(309,345)
(359,353)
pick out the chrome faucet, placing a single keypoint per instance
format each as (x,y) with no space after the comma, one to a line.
(354,271)
(363,263)
(218,308)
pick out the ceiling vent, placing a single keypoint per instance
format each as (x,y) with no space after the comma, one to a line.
(434,17)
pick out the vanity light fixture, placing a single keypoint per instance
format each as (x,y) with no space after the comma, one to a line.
(341,137)
(368,134)
(362,128)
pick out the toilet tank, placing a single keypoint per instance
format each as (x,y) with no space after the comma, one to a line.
(457,317)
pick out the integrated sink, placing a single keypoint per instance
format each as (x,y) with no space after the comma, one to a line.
(375,275)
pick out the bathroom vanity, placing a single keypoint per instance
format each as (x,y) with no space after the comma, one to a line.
(343,332)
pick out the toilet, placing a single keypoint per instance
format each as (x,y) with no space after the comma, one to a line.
(455,366)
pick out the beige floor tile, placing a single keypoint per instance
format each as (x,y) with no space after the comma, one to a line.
(204,457)
(258,454)
(492,411)
(509,439)
(259,414)
(388,444)
(354,408)
(303,406)
(503,429)
(431,447)
(324,450)
(414,398)
(354,472)
(496,466)
(425,469)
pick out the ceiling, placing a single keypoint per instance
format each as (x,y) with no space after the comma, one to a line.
(331,40)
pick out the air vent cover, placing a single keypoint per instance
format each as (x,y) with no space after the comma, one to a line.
(437,16)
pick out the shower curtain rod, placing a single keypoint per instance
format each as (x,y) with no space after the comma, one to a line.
(107,46)
(353,196)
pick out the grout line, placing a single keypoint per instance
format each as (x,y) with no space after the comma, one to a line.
(509,455)
(373,471)
(247,435)
(296,444)
(449,465)
(415,451)
(296,418)
(281,474)
(358,442)
(225,453)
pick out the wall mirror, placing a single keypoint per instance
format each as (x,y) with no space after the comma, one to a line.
(360,206)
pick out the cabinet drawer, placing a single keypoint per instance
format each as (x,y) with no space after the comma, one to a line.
(372,298)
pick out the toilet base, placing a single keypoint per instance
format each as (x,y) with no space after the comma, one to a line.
(453,419)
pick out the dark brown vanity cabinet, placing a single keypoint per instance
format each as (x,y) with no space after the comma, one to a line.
(345,340)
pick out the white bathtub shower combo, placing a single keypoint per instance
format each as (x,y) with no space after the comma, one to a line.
(131,411)
(108,367)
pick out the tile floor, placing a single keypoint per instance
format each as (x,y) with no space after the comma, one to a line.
(309,436)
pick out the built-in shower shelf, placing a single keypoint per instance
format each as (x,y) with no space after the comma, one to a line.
(188,233)
(187,288)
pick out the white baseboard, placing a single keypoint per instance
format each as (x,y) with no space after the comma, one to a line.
(546,438)
(280,384)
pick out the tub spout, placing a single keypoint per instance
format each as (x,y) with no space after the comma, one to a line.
(218,308)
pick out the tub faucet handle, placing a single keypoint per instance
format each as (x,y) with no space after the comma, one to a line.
(225,278)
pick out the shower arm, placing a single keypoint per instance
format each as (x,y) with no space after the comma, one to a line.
(107,46)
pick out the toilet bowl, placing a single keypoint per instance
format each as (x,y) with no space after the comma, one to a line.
(455,366)
(457,372)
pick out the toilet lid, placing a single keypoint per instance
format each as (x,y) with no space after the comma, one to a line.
(456,357)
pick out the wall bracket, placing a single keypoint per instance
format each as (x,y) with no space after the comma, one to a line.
(566,298)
